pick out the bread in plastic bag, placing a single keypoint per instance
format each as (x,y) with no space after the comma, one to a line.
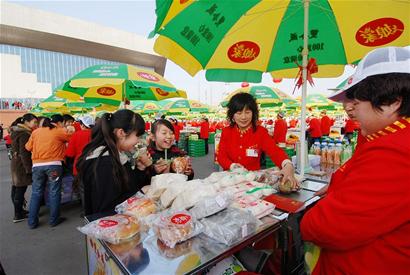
(269,176)
(258,208)
(191,196)
(175,189)
(160,183)
(173,227)
(113,229)
(211,205)
(230,225)
(137,206)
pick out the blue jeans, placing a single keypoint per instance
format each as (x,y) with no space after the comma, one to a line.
(42,175)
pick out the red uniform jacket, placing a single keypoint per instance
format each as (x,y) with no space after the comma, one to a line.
(351,125)
(280,130)
(314,128)
(325,124)
(233,148)
(204,132)
(177,131)
(363,224)
(76,145)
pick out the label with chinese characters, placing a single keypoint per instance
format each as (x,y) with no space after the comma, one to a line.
(180,218)
(243,52)
(379,32)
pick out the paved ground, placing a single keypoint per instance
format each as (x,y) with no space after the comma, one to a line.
(46,250)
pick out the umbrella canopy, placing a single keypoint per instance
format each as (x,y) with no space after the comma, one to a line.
(265,96)
(145,106)
(236,41)
(52,102)
(240,41)
(185,106)
(112,84)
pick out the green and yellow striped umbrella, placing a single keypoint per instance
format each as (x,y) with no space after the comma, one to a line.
(265,96)
(237,41)
(113,84)
(145,106)
(186,106)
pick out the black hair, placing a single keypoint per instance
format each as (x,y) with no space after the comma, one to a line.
(103,135)
(47,123)
(67,117)
(28,117)
(158,122)
(57,118)
(239,102)
(384,89)
(18,120)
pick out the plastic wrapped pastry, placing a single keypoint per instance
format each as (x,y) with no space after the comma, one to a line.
(191,196)
(137,206)
(177,188)
(113,229)
(161,182)
(173,227)
(258,208)
(211,205)
(230,225)
(180,164)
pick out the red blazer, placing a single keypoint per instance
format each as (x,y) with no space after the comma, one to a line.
(314,128)
(325,124)
(363,223)
(234,144)
(204,132)
(280,130)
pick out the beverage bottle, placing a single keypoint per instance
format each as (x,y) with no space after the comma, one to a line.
(337,154)
(330,152)
(317,148)
(323,150)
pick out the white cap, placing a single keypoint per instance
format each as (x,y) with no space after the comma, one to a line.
(88,121)
(379,61)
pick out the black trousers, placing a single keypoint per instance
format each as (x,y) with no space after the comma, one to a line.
(206,146)
(17,197)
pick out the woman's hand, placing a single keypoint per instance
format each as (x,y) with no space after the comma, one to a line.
(288,172)
(162,166)
(144,160)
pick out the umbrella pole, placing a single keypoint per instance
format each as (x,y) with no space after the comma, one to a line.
(304,89)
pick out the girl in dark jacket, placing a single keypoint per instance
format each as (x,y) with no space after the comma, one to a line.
(104,169)
(21,163)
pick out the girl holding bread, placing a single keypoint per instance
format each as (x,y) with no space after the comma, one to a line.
(104,168)
(166,156)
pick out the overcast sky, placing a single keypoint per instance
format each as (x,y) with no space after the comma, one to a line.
(139,17)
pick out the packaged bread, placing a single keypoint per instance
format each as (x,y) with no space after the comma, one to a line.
(211,205)
(258,208)
(161,182)
(173,227)
(177,188)
(180,164)
(137,206)
(113,229)
(175,252)
(192,195)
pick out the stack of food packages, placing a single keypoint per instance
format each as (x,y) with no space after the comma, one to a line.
(226,206)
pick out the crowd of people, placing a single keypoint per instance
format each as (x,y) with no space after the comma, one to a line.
(362,223)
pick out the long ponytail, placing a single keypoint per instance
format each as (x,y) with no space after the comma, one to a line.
(103,135)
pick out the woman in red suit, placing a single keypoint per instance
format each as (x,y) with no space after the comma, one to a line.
(243,142)
(362,225)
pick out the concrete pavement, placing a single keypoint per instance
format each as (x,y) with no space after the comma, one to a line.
(46,250)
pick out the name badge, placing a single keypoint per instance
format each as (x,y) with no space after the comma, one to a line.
(252,153)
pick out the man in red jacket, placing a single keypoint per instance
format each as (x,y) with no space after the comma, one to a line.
(204,132)
(362,225)
(325,124)
(280,129)
(314,130)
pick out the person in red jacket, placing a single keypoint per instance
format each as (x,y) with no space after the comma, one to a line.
(204,132)
(314,130)
(280,129)
(362,225)
(243,142)
(325,123)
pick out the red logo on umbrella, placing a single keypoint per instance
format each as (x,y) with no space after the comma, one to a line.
(107,223)
(180,219)
(106,91)
(379,32)
(243,52)
(149,107)
(194,104)
(161,92)
(148,76)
